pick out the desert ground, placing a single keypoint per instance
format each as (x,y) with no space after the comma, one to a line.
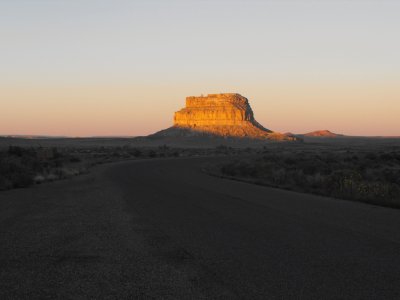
(162,227)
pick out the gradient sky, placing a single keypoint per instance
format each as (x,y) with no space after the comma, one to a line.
(85,68)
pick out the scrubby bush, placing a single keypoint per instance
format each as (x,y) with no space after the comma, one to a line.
(20,167)
(75,159)
(363,176)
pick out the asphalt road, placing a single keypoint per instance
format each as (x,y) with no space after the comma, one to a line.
(162,229)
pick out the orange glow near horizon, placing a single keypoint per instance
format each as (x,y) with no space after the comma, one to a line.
(125,110)
(101,68)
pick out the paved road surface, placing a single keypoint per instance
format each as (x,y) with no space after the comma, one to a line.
(161,229)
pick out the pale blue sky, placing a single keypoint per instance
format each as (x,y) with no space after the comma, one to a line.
(280,54)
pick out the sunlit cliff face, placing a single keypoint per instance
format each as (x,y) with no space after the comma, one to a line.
(215,109)
(224,115)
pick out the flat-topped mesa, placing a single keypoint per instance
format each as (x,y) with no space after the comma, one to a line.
(222,115)
(216,115)
(214,109)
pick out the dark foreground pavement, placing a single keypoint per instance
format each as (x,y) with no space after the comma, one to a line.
(161,229)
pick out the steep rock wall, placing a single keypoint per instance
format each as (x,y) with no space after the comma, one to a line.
(215,110)
(220,114)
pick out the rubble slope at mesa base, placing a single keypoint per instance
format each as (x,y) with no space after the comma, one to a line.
(238,132)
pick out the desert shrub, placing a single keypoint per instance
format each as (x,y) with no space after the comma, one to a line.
(386,157)
(290,161)
(75,159)
(137,153)
(18,174)
(371,156)
(343,183)
(365,176)
(163,148)
(5,183)
(229,169)
(20,166)
(392,175)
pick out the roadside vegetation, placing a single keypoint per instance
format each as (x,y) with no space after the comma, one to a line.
(371,176)
(367,174)
(21,167)
(25,166)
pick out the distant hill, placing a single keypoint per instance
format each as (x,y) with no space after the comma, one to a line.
(321,133)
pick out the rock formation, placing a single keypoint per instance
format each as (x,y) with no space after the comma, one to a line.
(228,115)
(215,110)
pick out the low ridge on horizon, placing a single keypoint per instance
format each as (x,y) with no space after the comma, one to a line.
(322,133)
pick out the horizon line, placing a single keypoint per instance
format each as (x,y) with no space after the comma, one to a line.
(39,136)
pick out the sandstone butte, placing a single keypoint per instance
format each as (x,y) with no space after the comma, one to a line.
(227,115)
